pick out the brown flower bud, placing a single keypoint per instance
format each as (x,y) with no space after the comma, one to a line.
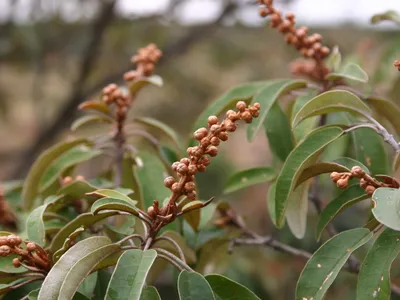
(185,161)
(325,50)
(212,151)
(169,181)
(175,165)
(357,171)
(175,187)
(200,133)
(342,183)
(223,136)
(79,178)
(230,126)
(363,183)
(241,106)
(3,240)
(16,262)
(212,120)
(192,169)
(191,195)
(182,168)
(14,240)
(31,246)
(214,128)
(335,176)
(67,180)
(190,186)
(263,12)
(5,250)
(370,189)
(205,160)
(290,16)
(257,105)
(215,141)
(151,212)
(201,168)
(247,117)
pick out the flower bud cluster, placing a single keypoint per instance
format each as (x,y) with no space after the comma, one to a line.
(145,60)
(309,45)
(30,256)
(308,68)
(68,179)
(209,139)
(368,183)
(112,93)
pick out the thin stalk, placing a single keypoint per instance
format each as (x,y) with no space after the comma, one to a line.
(175,259)
(175,244)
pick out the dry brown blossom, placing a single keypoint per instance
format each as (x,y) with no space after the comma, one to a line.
(198,160)
(32,256)
(367,182)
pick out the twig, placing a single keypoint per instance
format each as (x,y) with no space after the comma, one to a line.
(175,244)
(175,259)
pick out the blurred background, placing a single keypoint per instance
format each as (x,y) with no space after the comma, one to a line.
(54,54)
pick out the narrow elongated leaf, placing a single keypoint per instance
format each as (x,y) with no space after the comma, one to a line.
(227,289)
(387,207)
(228,100)
(267,96)
(348,197)
(130,178)
(350,71)
(297,209)
(167,130)
(194,286)
(389,15)
(271,202)
(249,177)
(136,85)
(113,194)
(374,277)
(318,169)
(304,155)
(113,204)
(31,185)
(279,132)
(88,285)
(90,119)
(303,129)
(5,287)
(150,293)
(97,106)
(52,284)
(130,274)
(388,109)
(332,101)
(82,268)
(323,267)
(35,225)
(84,220)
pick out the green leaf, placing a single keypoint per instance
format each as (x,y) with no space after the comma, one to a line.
(323,267)
(388,109)
(150,293)
(69,159)
(31,185)
(334,59)
(77,189)
(249,177)
(349,163)
(374,277)
(88,285)
(52,284)
(113,194)
(331,101)
(5,287)
(35,293)
(304,155)
(303,129)
(90,119)
(35,225)
(267,96)
(192,285)
(297,209)
(67,243)
(350,71)
(370,150)
(389,15)
(83,220)
(387,207)
(271,200)
(227,289)
(164,128)
(129,275)
(151,179)
(396,162)
(82,268)
(113,204)
(97,106)
(136,85)
(277,126)
(348,197)
(130,177)
(228,100)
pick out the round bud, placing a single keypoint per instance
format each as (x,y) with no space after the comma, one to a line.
(201,168)
(357,171)
(185,161)
(191,195)
(212,151)
(205,142)
(182,168)
(335,176)
(230,126)
(325,50)
(370,189)
(231,115)
(14,240)
(200,133)
(263,12)
(31,247)
(212,120)
(342,183)
(192,169)
(79,178)
(257,105)
(363,183)
(290,16)
(241,105)
(214,128)
(175,165)
(16,262)
(247,117)
(5,250)
(205,160)
(3,240)
(169,181)
(310,52)
(67,180)
(317,46)
(190,186)
(215,141)
(150,211)
(223,136)
(175,187)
